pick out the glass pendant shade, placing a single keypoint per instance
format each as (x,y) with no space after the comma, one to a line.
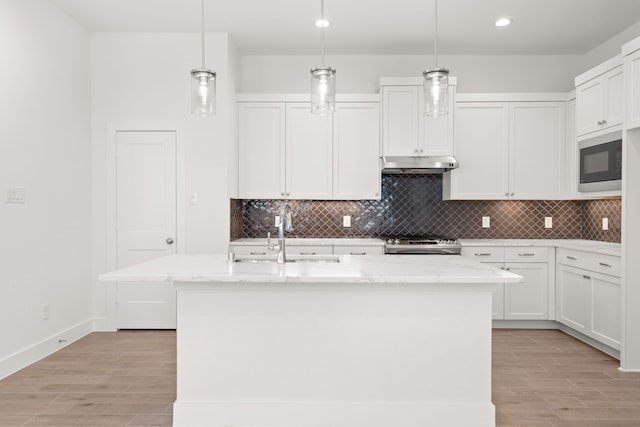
(323,90)
(436,92)
(203,92)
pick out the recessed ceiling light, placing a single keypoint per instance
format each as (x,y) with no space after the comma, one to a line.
(502,22)
(322,23)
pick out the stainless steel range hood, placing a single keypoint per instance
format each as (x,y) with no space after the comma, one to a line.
(405,165)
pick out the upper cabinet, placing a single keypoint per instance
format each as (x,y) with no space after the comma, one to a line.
(356,151)
(599,98)
(631,52)
(284,151)
(406,131)
(508,151)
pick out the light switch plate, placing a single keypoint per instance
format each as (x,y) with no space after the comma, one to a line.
(486,221)
(605,223)
(548,222)
(277,221)
(346,221)
(14,194)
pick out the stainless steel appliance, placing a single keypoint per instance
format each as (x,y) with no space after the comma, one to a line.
(419,245)
(419,165)
(600,164)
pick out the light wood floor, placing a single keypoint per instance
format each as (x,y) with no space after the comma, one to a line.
(540,378)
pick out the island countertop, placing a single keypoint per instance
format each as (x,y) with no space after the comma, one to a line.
(425,269)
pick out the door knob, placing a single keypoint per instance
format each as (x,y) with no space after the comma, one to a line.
(170,240)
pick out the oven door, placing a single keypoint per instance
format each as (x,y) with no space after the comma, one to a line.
(600,166)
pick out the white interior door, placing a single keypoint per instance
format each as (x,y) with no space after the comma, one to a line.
(146,224)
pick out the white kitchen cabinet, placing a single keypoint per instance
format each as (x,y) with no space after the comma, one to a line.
(284,151)
(356,151)
(261,150)
(537,142)
(632,89)
(309,153)
(260,249)
(358,249)
(589,295)
(406,131)
(600,98)
(482,150)
(502,148)
(527,300)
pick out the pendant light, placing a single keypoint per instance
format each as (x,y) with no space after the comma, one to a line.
(436,82)
(323,80)
(203,86)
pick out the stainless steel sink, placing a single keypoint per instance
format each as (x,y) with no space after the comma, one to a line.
(293,259)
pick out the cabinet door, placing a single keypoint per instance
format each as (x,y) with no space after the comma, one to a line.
(537,154)
(589,106)
(308,153)
(436,133)
(481,148)
(400,120)
(261,145)
(356,151)
(632,76)
(606,306)
(527,300)
(358,250)
(292,249)
(613,84)
(571,302)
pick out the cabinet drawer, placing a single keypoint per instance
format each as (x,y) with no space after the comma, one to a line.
(358,250)
(309,249)
(484,253)
(605,264)
(526,254)
(250,249)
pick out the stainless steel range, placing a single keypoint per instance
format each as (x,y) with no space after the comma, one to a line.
(419,245)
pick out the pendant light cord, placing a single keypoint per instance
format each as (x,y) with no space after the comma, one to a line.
(203,67)
(435,47)
(322,33)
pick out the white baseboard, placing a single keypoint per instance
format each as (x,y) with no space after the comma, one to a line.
(44,348)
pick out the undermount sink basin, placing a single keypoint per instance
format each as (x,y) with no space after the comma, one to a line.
(293,259)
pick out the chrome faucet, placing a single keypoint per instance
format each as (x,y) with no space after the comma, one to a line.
(285,224)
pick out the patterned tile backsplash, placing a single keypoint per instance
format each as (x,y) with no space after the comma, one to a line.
(412,205)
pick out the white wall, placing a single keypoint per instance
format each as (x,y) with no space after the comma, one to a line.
(145,78)
(360,73)
(44,146)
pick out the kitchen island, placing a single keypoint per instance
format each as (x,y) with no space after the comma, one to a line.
(369,341)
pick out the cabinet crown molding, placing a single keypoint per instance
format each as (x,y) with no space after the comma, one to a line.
(598,70)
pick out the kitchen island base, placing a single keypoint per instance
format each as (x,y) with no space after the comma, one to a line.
(333,354)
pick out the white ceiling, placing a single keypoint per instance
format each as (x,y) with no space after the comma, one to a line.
(373,26)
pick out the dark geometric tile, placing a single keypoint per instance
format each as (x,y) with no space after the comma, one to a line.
(412,206)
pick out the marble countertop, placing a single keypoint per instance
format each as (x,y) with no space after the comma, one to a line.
(312,241)
(419,269)
(604,248)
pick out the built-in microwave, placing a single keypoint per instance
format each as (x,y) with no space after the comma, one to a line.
(600,165)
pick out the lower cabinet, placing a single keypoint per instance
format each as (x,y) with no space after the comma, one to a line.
(588,300)
(529,299)
(298,249)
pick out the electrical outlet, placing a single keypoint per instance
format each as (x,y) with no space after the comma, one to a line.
(605,223)
(45,311)
(346,221)
(277,221)
(486,221)
(548,222)
(14,194)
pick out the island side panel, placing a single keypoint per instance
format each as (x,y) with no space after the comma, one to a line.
(332,355)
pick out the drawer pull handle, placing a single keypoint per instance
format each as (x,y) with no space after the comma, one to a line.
(527,254)
(586,277)
(258,253)
(482,254)
(308,253)
(605,264)
(572,258)
(358,253)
